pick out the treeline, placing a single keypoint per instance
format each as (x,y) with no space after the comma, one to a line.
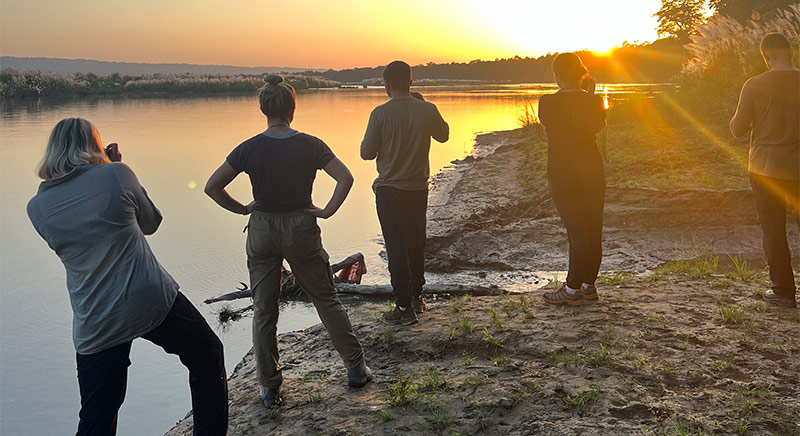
(26,84)
(655,62)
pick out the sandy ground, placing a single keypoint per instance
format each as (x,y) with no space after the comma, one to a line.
(690,350)
(654,356)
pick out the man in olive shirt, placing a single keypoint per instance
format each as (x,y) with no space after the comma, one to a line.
(769,105)
(399,135)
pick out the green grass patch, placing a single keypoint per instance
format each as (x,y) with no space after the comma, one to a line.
(385,415)
(617,278)
(580,399)
(733,315)
(433,380)
(496,321)
(477,379)
(696,267)
(465,324)
(401,393)
(743,269)
(497,343)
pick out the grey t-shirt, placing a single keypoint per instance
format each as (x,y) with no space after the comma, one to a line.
(400,132)
(95,218)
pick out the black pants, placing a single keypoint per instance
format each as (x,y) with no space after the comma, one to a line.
(772,196)
(579,197)
(102,376)
(402,217)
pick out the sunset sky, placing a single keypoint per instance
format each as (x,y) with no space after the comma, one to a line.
(316,33)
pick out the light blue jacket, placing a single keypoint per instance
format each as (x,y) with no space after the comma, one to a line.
(95,218)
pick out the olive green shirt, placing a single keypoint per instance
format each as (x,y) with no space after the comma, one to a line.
(400,132)
(770,105)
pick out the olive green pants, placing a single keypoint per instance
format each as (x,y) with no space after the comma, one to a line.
(271,238)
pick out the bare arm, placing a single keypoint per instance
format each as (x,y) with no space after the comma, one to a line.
(215,188)
(743,119)
(344,181)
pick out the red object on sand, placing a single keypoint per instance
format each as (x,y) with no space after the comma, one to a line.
(353,273)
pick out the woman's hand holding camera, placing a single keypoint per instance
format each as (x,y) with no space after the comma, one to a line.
(588,84)
(113,153)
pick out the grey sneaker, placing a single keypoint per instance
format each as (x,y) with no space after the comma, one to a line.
(402,317)
(419,305)
(771,297)
(359,376)
(271,397)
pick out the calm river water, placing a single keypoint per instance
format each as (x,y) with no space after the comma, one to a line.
(173,145)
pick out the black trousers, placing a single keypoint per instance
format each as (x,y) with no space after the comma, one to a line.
(579,197)
(103,376)
(772,196)
(403,220)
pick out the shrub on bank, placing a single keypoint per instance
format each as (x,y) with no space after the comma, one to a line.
(724,54)
(34,84)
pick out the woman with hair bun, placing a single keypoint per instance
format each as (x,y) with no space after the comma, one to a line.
(282,164)
(572,117)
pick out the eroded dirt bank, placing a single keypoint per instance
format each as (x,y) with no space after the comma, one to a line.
(483,215)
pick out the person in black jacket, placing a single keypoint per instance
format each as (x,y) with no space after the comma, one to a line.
(572,117)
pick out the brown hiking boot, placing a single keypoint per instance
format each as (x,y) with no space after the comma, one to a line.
(419,305)
(589,292)
(402,317)
(561,296)
(772,298)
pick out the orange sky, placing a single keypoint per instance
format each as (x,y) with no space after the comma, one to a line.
(316,33)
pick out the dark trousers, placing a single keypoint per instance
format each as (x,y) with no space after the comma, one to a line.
(772,196)
(102,377)
(403,220)
(579,197)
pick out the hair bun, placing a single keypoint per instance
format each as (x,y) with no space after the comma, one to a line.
(273,79)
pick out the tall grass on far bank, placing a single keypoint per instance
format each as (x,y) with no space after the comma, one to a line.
(17,84)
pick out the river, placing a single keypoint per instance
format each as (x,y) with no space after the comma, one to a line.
(174,144)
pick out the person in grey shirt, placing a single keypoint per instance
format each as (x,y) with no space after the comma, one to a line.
(92,211)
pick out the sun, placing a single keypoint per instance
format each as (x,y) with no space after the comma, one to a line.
(544,27)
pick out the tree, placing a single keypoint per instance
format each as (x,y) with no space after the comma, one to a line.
(679,18)
(746,10)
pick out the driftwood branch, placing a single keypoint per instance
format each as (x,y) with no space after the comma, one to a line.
(382,290)
(291,288)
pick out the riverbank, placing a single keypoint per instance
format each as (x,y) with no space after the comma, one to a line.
(687,349)
(666,355)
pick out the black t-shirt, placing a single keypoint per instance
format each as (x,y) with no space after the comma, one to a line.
(281,170)
(572,119)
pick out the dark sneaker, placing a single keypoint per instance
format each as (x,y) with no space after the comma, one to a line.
(271,397)
(561,296)
(419,305)
(589,292)
(397,316)
(359,376)
(771,297)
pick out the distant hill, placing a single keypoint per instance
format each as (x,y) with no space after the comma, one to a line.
(102,68)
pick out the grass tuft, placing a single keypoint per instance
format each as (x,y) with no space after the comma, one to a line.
(743,270)
(579,399)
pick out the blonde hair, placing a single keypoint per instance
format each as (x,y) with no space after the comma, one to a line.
(277,97)
(73,142)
